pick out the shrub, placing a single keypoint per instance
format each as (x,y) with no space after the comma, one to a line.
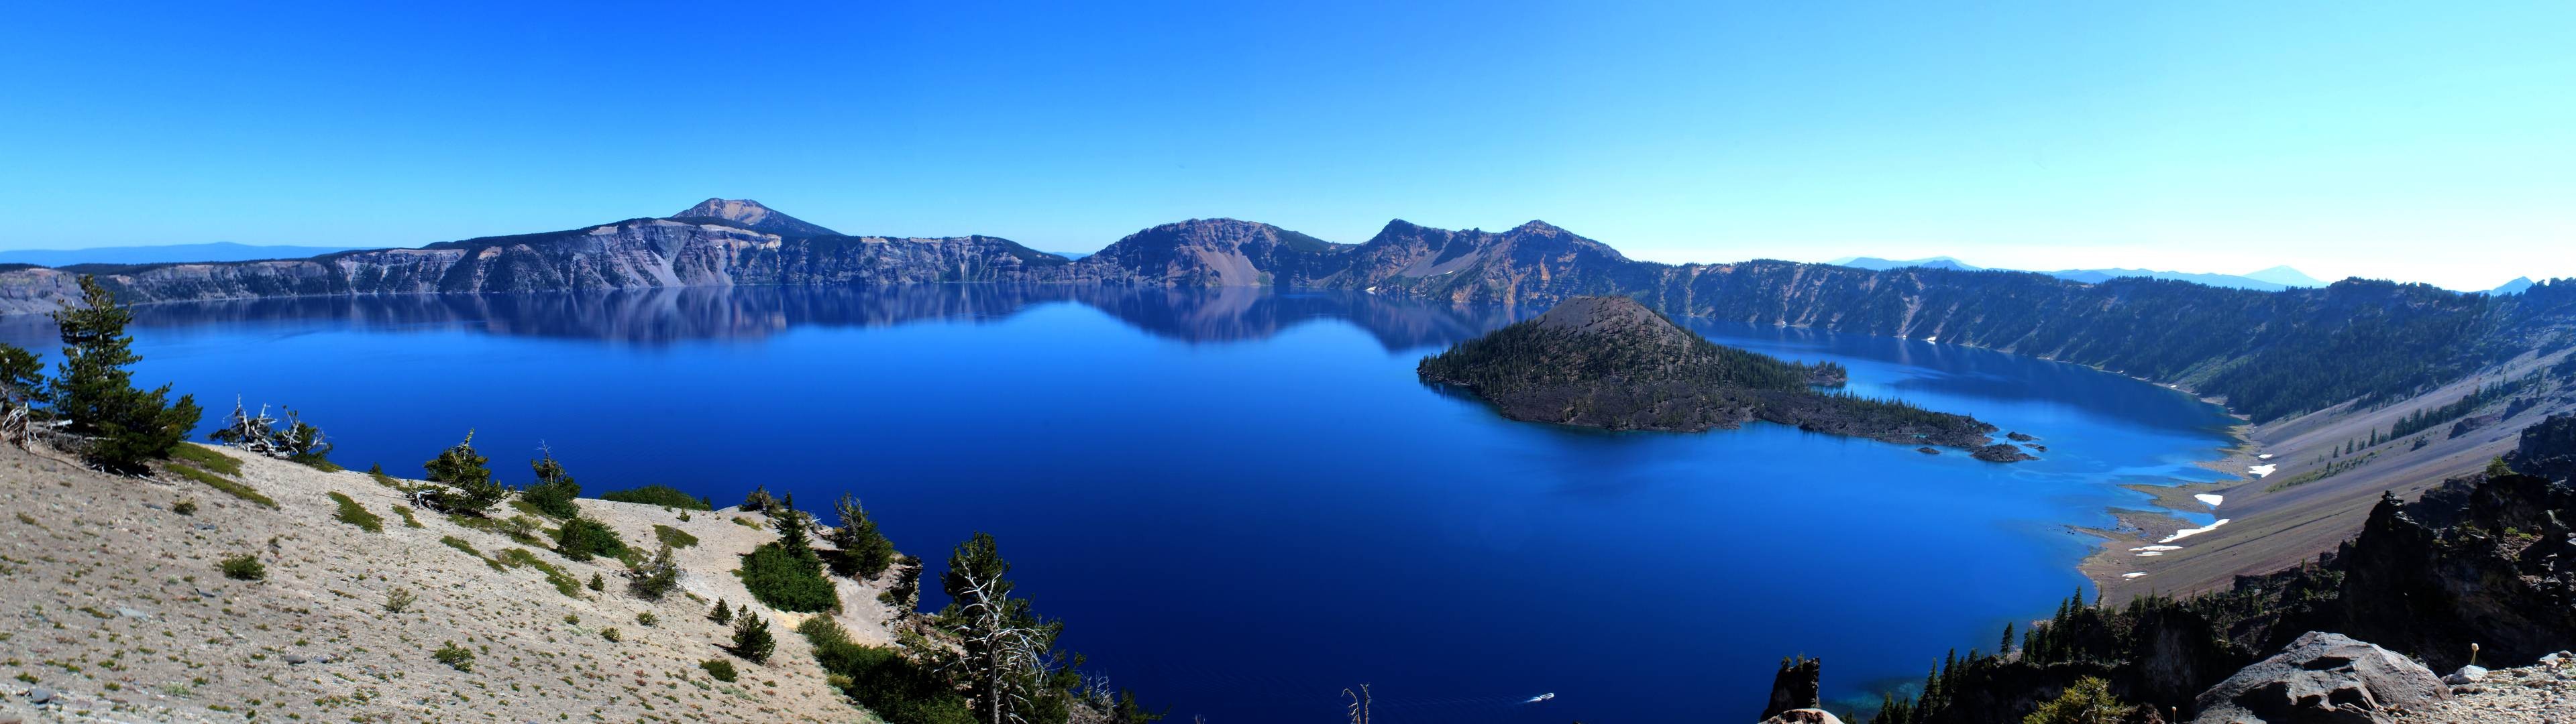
(217,482)
(520,558)
(581,538)
(185,507)
(759,500)
(554,490)
(211,461)
(95,392)
(751,639)
(612,635)
(662,495)
(722,614)
(2088,701)
(787,582)
(654,578)
(647,619)
(597,583)
(894,687)
(354,514)
(721,669)
(674,537)
(465,479)
(398,600)
(865,553)
(244,567)
(454,656)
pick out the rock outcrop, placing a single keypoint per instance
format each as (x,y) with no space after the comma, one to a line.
(2322,678)
(1796,687)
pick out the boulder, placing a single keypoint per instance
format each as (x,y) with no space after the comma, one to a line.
(2322,677)
(2466,675)
(1803,716)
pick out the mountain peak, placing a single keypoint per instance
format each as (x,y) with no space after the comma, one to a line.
(754,216)
(2285,276)
(2517,286)
(1537,226)
(1610,315)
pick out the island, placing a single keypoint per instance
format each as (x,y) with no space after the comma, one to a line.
(1611,363)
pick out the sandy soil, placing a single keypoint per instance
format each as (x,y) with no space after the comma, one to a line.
(2273,527)
(114,602)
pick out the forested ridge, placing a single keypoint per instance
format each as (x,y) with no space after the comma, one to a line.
(1609,362)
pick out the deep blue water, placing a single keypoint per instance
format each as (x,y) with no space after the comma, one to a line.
(1242,501)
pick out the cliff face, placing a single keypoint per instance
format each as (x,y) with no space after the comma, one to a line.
(632,254)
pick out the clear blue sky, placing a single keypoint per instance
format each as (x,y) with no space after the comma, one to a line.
(2400,140)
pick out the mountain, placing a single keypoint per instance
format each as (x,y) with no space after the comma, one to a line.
(749,214)
(2285,276)
(2231,281)
(1609,362)
(1214,253)
(163,254)
(2270,280)
(1877,264)
(2517,286)
(2268,354)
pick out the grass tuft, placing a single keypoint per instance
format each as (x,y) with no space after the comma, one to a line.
(354,514)
(217,482)
(674,537)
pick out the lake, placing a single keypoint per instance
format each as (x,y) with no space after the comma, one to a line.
(1242,501)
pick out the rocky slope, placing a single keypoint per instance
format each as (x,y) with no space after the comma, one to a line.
(2479,566)
(114,607)
(1610,362)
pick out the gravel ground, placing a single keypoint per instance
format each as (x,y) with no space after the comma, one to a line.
(112,606)
(2543,693)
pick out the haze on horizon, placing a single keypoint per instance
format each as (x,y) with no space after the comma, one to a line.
(2400,142)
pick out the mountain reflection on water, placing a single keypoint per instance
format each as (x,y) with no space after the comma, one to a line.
(662,316)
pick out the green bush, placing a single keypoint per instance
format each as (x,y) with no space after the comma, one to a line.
(581,538)
(554,490)
(674,537)
(895,688)
(612,635)
(244,567)
(454,656)
(723,613)
(864,553)
(185,507)
(647,619)
(654,578)
(2089,701)
(354,514)
(662,495)
(218,482)
(787,582)
(721,669)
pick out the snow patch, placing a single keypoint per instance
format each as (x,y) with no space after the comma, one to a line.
(2189,532)
(2157,548)
(2211,499)
(2132,575)
(2262,470)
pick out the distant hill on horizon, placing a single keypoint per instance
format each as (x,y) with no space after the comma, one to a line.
(165,254)
(2268,280)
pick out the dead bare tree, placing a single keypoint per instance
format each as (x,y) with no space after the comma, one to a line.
(261,434)
(1359,704)
(1007,651)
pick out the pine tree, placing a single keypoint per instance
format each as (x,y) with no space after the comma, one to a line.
(94,390)
(554,490)
(864,551)
(722,614)
(2006,646)
(467,481)
(751,639)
